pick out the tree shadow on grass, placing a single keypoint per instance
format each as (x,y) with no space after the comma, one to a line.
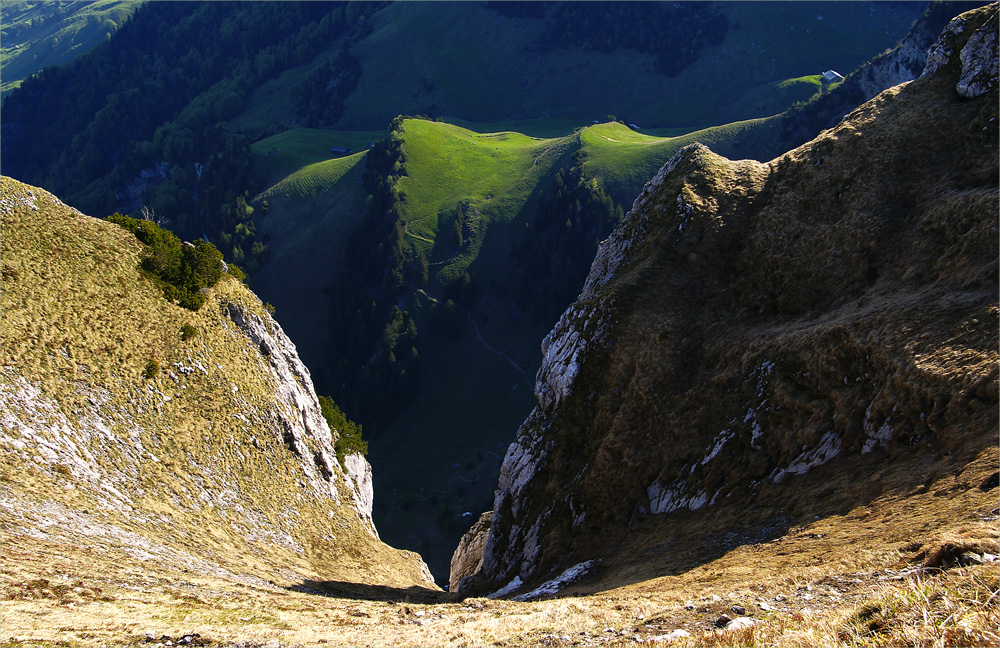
(365,592)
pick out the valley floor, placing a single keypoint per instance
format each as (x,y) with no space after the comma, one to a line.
(912,569)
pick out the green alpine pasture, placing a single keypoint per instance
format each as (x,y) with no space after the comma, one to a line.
(491,174)
(314,194)
(280,155)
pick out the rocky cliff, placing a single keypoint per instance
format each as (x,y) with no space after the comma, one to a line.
(189,439)
(773,339)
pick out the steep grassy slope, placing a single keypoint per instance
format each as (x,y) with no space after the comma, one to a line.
(36,35)
(122,430)
(762,344)
(492,173)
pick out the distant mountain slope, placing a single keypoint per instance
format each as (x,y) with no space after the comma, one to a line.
(132,426)
(759,345)
(36,35)
(119,128)
(586,60)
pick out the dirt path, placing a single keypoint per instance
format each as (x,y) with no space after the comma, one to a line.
(483,342)
(416,236)
(506,357)
(406,230)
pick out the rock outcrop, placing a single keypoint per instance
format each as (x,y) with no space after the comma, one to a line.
(468,556)
(977,54)
(751,332)
(359,471)
(128,429)
(906,61)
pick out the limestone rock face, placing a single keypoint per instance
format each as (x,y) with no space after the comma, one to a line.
(969,43)
(304,429)
(980,60)
(903,63)
(122,431)
(468,556)
(359,471)
(768,336)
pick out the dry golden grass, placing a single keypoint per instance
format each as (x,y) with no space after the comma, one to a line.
(859,595)
(852,579)
(182,467)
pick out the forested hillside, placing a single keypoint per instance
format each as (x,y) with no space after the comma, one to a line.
(148,122)
(39,34)
(162,114)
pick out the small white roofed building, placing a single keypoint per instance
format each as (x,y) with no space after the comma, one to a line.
(832,76)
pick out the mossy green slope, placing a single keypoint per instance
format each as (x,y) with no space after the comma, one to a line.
(192,463)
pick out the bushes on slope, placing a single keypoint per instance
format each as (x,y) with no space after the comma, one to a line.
(181,269)
(349,439)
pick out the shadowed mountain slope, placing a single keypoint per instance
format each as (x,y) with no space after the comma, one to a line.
(765,342)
